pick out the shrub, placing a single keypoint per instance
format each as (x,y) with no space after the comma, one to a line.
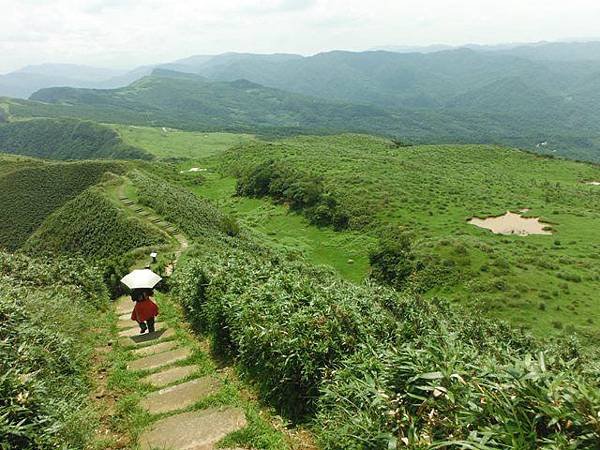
(392,262)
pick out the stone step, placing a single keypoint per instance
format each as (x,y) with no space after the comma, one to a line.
(126,316)
(160,359)
(161,379)
(124,305)
(126,324)
(180,396)
(155,349)
(136,331)
(196,430)
(147,338)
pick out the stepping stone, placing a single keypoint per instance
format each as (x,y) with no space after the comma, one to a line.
(136,331)
(126,316)
(196,430)
(180,396)
(126,324)
(124,305)
(154,349)
(169,376)
(122,197)
(156,220)
(160,359)
(141,339)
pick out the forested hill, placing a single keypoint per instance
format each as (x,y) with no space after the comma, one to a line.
(65,139)
(192,102)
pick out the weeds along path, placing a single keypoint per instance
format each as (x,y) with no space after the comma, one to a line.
(178,398)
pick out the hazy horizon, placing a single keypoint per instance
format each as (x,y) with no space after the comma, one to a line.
(124,34)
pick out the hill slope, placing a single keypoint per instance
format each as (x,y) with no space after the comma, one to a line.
(191,102)
(92,226)
(28,194)
(65,139)
(364,183)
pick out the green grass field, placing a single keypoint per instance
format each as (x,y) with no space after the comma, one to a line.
(171,143)
(345,252)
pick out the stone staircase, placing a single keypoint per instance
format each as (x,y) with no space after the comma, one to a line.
(162,361)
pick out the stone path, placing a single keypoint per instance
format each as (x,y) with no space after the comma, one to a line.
(167,369)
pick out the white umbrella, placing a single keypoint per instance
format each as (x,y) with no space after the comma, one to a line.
(141,279)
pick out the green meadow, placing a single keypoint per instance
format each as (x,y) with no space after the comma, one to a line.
(172,143)
(546,283)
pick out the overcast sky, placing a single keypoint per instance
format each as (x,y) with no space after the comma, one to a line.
(126,33)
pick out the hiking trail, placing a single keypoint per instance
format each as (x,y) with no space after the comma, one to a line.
(164,362)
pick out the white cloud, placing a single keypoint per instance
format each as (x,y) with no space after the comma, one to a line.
(130,32)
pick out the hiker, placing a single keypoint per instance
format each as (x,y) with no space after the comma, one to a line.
(145,310)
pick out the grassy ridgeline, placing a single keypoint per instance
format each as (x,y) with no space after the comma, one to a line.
(30,193)
(92,226)
(65,139)
(46,310)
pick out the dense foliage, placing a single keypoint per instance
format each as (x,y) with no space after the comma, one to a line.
(544,282)
(381,370)
(65,139)
(300,191)
(196,217)
(92,226)
(46,307)
(30,193)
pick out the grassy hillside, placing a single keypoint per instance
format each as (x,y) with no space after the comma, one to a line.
(313,343)
(356,182)
(92,226)
(31,192)
(65,139)
(173,143)
(47,309)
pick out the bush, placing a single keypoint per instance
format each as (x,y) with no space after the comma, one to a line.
(302,192)
(393,261)
(195,216)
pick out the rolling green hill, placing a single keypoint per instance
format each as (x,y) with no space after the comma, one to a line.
(191,102)
(65,139)
(92,226)
(29,193)
(545,283)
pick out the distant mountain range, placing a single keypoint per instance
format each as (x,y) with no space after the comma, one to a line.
(24,82)
(514,95)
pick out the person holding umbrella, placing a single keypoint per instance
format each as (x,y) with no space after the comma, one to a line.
(145,310)
(141,282)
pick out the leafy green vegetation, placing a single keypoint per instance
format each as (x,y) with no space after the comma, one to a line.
(196,217)
(173,143)
(31,192)
(92,226)
(65,139)
(47,309)
(368,361)
(431,191)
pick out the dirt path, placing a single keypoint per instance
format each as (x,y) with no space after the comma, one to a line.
(164,362)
